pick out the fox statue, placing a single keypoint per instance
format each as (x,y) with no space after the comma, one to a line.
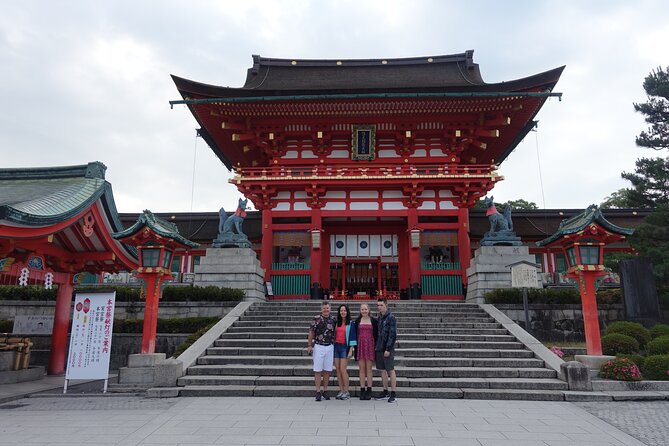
(233,223)
(498,222)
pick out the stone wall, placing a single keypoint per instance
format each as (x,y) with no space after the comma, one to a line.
(123,310)
(563,323)
(123,344)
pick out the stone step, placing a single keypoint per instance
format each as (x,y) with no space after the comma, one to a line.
(477,383)
(412,392)
(398,314)
(405,344)
(400,325)
(404,335)
(420,331)
(409,372)
(410,352)
(403,321)
(399,361)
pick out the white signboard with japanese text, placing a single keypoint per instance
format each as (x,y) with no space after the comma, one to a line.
(524,276)
(91,336)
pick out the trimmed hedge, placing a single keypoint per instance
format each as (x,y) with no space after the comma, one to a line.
(658,346)
(6,326)
(658,330)
(170,326)
(656,368)
(173,325)
(616,343)
(128,293)
(636,359)
(30,292)
(632,329)
(548,296)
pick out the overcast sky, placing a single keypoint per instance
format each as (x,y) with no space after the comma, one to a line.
(86,81)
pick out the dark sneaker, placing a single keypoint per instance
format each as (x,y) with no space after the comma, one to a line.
(392,398)
(382,396)
(363,394)
(325,396)
(318,396)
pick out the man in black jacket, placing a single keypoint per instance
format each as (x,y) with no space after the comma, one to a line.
(385,350)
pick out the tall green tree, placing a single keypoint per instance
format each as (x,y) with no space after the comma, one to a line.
(655,110)
(650,182)
(515,204)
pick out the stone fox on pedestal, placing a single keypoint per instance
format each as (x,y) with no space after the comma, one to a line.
(498,222)
(233,223)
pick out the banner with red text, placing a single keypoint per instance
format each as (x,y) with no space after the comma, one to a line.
(91,336)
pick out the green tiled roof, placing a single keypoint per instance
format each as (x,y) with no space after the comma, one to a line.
(158,225)
(43,196)
(579,222)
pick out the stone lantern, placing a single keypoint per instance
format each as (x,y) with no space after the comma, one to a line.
(582,239)
(156,240)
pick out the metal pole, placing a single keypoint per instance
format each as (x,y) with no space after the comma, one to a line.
(526,309)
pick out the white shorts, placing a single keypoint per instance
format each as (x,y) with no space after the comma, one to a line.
(323,357)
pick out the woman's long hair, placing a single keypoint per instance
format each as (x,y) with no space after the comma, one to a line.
(359,318)
(348,315)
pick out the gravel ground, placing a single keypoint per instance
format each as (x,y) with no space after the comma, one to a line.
(647,421)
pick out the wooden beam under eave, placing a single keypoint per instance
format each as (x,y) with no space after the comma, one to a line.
(487,133)
(242,136)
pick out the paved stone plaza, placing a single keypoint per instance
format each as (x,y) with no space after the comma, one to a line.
(118,420)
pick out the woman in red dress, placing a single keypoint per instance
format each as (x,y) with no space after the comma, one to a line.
(366,327)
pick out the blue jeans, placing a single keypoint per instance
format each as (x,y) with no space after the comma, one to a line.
(340,351)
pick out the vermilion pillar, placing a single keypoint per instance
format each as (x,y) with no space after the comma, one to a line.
(316,224)
(150,312)
(61,325)
(586,281)
(414,253)
(464,244)
(266,244)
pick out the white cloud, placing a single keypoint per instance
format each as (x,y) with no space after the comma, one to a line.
(90,81)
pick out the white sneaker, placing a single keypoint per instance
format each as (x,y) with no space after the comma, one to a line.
(339,395)
(345,396)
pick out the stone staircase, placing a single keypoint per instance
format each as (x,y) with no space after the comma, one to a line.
(443,350)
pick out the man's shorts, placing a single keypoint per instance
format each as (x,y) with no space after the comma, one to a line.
(340,351)
(323,357)
(383,363)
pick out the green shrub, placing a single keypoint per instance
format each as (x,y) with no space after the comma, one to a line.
(30,292)
(6,326)
(201,294)
(563,296)
(616,343)
(609,296)
(173,325)
(658,346)
(656,368)
(123,293)
(620,369)
(632,329)
(191,339)
(174,293)
(636,359)
(659,330)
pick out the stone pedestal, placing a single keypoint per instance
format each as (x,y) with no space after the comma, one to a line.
(488,269)
(232,268)
(594,362)
(141,369)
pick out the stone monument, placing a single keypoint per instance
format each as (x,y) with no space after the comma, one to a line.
(500,247)
(231,263)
